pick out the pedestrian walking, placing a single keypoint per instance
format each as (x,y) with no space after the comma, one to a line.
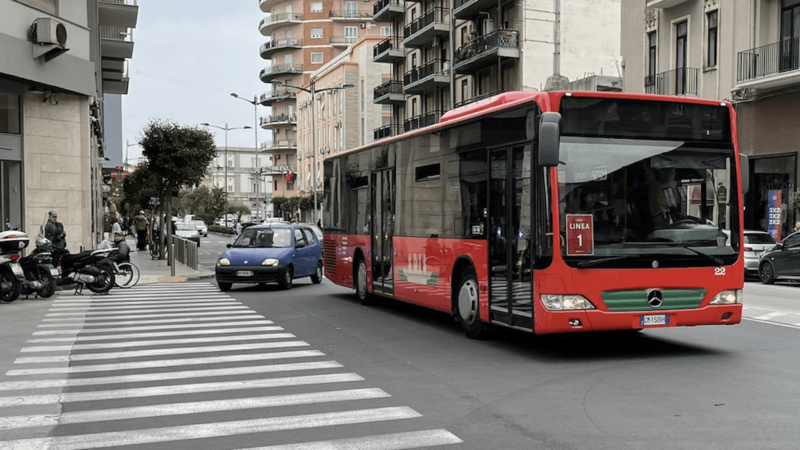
(142,225)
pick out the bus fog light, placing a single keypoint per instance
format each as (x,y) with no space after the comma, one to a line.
(565,302)
(729,297)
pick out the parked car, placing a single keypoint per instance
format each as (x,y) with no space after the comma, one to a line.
(755,243)
(187,231)
(271,253)
(782,261)
(316,229)
(201,227)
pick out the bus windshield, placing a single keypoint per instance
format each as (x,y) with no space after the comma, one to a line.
(649,201)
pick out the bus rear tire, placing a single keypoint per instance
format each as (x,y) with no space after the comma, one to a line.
(360,281)
(467,306)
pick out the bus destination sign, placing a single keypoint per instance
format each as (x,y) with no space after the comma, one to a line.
(580,235)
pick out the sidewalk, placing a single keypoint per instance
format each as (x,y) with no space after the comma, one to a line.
(157,271)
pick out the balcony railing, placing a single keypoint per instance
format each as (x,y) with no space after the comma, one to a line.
(388,87)
(768,60)
(282,118)
(387,131)
(278,93)
(386,9)
(435,67)
(683,81)
(435,15)
(280,43)
(278,18)
(279,69)
(343,40)
(390,43)
(496,40)
(349,14)
(423,120)
(275,145)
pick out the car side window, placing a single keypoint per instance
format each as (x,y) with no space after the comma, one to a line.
(311,238)
(792,242)
(299,240)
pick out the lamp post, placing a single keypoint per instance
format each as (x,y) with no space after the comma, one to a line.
(256,167)
(313,91)
(226,129)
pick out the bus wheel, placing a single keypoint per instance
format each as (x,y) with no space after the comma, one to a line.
(467,306)
(767,274)
(361,283)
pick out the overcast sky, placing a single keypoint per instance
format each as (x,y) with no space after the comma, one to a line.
(188,56)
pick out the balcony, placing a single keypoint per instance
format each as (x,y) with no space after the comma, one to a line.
(342,41)
(770,66)
(664,4)
(277,169)
(266,5)
(118,13)
(282,119)
(389,92)
(269,48)
(349,15)
(684,81)
(422,120)
(269,73)
(116,42)
(386,10)
(485,50)
(426,77)
(469,9)
(278,94)
(290,144)
(115,76)
(388,50)
(434,23)
(268,24)
(387,131)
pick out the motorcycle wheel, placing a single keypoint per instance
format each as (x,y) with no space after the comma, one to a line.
(104,281)
(15,287)
(49,283)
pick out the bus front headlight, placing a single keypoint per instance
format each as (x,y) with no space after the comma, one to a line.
(563,302)
(729,297)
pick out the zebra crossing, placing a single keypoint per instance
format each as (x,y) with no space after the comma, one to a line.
(186,366)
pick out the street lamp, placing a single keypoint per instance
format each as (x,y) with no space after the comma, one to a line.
(256,167)
(226,129)
(313,91)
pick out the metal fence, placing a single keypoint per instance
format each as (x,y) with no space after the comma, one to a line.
(186,252)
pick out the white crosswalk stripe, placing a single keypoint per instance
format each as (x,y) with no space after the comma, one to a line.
(123,353)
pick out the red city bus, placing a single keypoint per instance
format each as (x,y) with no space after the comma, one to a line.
(549,213)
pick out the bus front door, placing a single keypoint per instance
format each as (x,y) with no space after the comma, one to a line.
(382,214)
(510,274)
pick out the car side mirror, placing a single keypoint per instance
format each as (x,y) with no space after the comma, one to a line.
(229,245)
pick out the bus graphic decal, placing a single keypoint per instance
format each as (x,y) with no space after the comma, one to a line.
(417,271)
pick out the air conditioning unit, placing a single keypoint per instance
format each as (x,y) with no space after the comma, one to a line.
(362,25)
(49,37)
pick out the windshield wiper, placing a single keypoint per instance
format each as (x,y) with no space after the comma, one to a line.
(595,262)
(716,260)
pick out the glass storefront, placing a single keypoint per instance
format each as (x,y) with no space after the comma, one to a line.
(768,205)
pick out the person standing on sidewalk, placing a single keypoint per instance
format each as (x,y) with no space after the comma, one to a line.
(142,225)
(54,231)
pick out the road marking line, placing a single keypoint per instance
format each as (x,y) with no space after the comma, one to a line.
(217,339)
(769,316)
(113,394)
(772,322)
(163,376)
(151,327)
(137,308)
(107,337)
(89,325)
(211,430)
(166,363)
(146,316)
(396,441)
(186,408)
(143,302)
(112,313)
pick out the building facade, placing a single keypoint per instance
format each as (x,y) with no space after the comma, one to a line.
(743,51)
(246,183)
(58,59)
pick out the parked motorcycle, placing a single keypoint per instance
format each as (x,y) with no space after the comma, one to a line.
(91,268)
(40,275)
(11,274)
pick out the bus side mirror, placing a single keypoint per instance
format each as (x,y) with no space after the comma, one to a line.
(744,167)
(549,139)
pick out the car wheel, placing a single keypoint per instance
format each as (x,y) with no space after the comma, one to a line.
(467,305)
(286,283)
(767,273)
(316,277)
(224,287)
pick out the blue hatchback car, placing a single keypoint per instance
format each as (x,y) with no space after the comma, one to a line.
(271,253)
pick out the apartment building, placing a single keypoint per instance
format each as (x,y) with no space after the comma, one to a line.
(742,51)
(59,60)
(239,171)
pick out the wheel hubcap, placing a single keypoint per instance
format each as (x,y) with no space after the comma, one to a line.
(362,280)
(468,301)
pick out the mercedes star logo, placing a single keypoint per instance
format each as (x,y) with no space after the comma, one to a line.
(655,298)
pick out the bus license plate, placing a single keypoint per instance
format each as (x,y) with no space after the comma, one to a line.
(245,273)
(662,319)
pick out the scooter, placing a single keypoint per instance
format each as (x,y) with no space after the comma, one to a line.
(11,274)
(91,268)
(40,275)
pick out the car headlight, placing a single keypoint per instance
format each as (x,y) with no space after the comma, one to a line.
(270,262)
(565,302)
(729,297)
(223,262)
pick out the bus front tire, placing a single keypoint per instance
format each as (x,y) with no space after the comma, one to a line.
(467,306)
(361,283)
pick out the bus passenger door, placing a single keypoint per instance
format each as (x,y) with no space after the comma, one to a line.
(382,193)
(510,268)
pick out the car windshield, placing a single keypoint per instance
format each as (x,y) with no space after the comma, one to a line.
(198,223)
(642,199)
(185,227)
(264,238)
(758,238)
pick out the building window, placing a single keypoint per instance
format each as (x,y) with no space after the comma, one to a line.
(681,56)
(316,7)
(350,34)
(316,58)
(464,92)
(316,32)
(386,31)
(9,113)
(351,9)
(711,57)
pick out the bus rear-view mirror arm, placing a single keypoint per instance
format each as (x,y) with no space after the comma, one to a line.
(549,139)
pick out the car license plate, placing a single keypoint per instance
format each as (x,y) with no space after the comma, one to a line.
(54,273)
(661,319)
(245,273)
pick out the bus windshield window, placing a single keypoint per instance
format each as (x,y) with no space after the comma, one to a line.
(647,197)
